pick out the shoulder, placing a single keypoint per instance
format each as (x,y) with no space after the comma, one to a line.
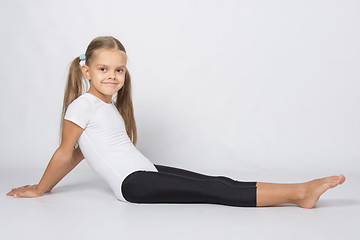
(84,98)
(81,107)
(83,101)
(80,111)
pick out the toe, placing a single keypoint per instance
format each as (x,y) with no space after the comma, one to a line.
(334,183)
(342,178)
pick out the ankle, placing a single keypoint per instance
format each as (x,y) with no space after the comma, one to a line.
(299,193)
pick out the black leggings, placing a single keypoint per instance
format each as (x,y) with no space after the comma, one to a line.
(175,185)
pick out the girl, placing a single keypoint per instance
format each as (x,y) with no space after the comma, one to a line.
(102,130)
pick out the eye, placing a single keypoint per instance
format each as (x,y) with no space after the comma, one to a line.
(103,69)
(120,70)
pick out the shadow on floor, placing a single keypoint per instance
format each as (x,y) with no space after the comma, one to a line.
(338,203)
(83,186)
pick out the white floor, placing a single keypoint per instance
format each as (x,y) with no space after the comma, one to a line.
(82,206)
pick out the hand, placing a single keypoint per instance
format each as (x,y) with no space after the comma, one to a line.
(28,191)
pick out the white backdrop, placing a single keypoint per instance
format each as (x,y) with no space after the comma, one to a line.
(241,86)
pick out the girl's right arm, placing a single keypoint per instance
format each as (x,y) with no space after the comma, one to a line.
(76,159)
(62,162)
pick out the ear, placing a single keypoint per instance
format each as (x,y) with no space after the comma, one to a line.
(85,71)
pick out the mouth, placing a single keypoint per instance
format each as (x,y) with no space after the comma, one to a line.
(110,83)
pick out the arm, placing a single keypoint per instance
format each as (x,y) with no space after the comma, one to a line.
(76,159)
(62,162)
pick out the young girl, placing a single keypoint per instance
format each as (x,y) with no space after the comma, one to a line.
(102,130)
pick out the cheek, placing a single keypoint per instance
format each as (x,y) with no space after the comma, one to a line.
(122,81)
(91,75)
(122,78)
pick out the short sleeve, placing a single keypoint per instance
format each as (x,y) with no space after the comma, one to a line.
(79,112)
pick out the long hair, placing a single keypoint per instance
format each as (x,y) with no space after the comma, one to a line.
(75,86)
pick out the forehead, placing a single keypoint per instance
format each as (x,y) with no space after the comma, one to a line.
(109,57)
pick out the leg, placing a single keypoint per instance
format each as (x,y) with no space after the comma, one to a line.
(303,194)
(195,175)
(160,187)
(171,185)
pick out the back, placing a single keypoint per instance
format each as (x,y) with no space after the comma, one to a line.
(104,141)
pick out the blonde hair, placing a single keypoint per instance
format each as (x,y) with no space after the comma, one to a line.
(75,85)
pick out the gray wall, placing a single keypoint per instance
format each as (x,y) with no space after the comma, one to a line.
(241,86)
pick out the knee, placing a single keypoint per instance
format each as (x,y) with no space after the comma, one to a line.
(132,189)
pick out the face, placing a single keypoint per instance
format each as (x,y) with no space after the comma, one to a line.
(106,73)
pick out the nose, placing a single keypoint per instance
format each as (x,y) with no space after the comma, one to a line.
(111,75)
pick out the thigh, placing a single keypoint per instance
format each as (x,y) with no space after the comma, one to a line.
(181,172)
(195,175)
(159,187)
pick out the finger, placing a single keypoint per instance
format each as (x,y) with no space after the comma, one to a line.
(11,192)
(26,194)
(19,194)
(22,186)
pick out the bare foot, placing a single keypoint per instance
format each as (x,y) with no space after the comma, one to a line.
(314,189)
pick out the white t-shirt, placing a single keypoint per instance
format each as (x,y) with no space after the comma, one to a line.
(104,142)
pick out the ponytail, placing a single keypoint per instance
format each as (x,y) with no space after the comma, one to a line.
(125,107)
(73,89)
